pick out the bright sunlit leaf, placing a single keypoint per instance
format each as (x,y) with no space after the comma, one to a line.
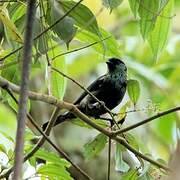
(65,29)
(133,89)
(82,15)
(159,36)
(57,81)
(10,26)
(148,12)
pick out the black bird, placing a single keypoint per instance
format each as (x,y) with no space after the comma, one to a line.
(109,88)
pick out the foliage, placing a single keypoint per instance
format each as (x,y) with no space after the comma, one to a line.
(141,33)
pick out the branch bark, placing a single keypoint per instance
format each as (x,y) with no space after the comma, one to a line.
(21,116)
(41,142)
(70,107)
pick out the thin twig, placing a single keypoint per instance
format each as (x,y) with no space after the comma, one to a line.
(81,48)
(21,116)
(146,120)
(70,107)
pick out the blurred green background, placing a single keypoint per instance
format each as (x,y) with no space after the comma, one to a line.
(159,80)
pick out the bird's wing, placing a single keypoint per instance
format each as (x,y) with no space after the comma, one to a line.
(92,87)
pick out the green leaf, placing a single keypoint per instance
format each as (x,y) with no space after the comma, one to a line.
(94,147)
(158,37)
(10,153)
(133,89)
(122,112)
(18,12)
(111,4)
(82,15)
(51,157)
(58,82)
(65,29)
(29,135)
(40,42)
(108,47)
(131,175)
(32,161)
(148,12)
(80,123)
(7,122)
(161,126)
(3,148)
(134,5)
(132,141)
(14,105)
(54,171)
(120,165)
(7,136)
(12,73)
(10,26)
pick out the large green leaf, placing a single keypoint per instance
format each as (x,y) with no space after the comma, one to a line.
(65,29)
(12,31)
(7,122)
(134,4)
(82,15)
(17,11)
(165,129)
(55,166)
(57,81)
(54,171)
(133,89)
(108,47)
(50,157)
(148,12)
(159,35)
(94,147)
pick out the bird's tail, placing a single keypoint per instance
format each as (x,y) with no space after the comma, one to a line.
(60,119)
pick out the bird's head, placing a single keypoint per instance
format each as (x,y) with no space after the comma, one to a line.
(116,66)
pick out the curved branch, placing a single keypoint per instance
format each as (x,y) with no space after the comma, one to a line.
(64,105)
(41,142)
(88,92)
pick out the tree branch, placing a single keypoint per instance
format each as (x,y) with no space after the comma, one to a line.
(146,120)
(45,136)
(70,107)
(21,116)
(81,48)
(88,92)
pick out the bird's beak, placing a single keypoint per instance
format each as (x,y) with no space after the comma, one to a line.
(109,64)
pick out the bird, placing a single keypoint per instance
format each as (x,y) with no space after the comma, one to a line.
(109,89)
